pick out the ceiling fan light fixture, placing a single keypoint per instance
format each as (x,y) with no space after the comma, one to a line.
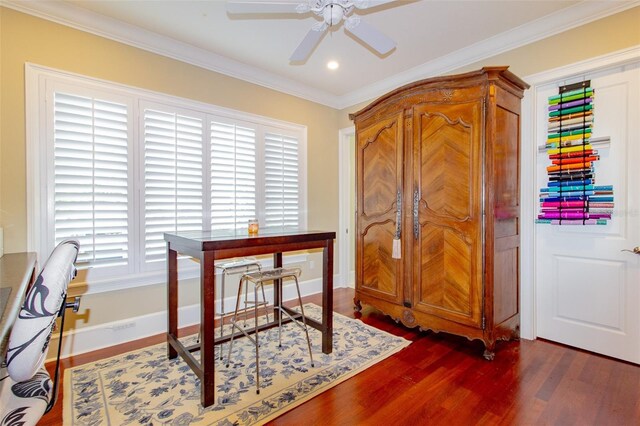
(333,14)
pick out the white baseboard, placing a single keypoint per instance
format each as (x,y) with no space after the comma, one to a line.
(87,339)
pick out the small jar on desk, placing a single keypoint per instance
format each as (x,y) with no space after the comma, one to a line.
(253,227)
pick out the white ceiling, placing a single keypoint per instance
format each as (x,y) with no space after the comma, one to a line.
(432,37)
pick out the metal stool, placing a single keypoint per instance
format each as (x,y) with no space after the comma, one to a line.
(234,266)
(259,279)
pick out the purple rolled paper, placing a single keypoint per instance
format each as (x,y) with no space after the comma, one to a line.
(573,215)
(570,104)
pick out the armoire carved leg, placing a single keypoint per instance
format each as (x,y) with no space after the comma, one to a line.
(356,304)
(489,351)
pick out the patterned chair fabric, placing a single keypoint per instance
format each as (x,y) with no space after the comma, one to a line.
(25,386)
(24,403)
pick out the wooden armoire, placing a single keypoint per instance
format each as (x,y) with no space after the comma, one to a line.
(437,168)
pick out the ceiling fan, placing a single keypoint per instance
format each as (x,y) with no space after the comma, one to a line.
(331,12)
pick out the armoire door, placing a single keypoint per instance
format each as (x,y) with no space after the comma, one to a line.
(379,174)
(447,198)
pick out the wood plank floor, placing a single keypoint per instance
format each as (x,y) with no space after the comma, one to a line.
(443,380)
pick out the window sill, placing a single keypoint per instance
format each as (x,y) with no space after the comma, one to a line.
(188,270)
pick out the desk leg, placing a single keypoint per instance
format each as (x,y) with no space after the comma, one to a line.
(277,287)
(327,297)
(207,327)
(172,299)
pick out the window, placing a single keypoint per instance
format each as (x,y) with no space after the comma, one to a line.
(233,175)
(282,182)
(116,167)
(90,183)
(173,177)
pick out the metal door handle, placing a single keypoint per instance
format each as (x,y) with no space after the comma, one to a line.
(416,223)
(636,250)
(398,215)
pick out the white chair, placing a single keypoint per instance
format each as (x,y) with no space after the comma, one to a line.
(26,389)
(259,280)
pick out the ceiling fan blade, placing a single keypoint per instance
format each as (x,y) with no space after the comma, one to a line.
(368,34)
(365,4)
(307,45)
(266,7)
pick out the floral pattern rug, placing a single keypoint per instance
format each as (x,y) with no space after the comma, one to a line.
(144,387)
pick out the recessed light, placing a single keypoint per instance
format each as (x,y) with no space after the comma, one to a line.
(333,65)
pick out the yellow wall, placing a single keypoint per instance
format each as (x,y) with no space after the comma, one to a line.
(24,38)
(606,35)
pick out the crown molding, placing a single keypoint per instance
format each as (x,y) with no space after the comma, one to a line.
(85,20)
(572,17)
(75,17)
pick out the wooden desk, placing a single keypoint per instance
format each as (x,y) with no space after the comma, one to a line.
(17,273)
(208,247)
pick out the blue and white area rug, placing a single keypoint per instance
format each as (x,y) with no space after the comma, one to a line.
(144,387)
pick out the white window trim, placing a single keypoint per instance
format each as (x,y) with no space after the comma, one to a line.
(36,79)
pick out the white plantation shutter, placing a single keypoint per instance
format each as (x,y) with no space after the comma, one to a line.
(91,177)
(173,178)
(233,175)
(115,168)
(282,181)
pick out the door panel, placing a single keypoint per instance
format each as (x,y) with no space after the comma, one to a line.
(446,166)
(447,261)
(588,289)
(505,292)
(380,174)
(448,247)
(580,280)
(379,269)
(505,158)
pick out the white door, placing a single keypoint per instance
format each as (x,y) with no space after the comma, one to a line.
(587,287)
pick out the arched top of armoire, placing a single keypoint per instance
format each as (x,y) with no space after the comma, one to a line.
(498,75)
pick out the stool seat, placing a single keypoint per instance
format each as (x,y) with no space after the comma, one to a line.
(272,274)
(228,265)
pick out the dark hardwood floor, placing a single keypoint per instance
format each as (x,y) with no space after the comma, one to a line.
(442,379)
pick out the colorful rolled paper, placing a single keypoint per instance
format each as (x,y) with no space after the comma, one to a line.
(571,197)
